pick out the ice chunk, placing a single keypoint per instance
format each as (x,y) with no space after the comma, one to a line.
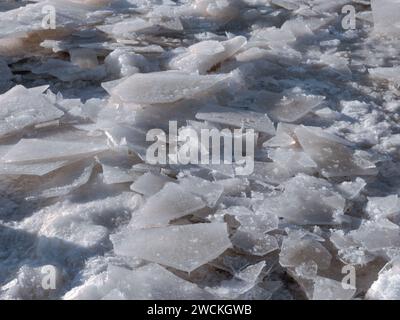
(23,107)
(269,172)
(387,286)
(284,136)
(36,150)
(171,202)
(203,56)
(184,247)
(271,37)
(294,160)
(150,183)
(391,74)
(238,118)
(220,10)
(242,282)
(131,28)
(307,270)
(257,244)
(351,189)
(115,174)
(65,181)
(167,86)
(234,186)
(148,282)
(386,15)
(329,289)
(258,222)
(294,105)
(295,252)
(210,192)
(331,154)
(307,200)
(383,207)
(124,63)
(377,235)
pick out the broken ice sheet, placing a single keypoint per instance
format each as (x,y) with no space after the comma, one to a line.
(307,200)
(295,161)
(210,192)
(23,107)
(168,86)
(117,167)
(253,243)
(333,157)
(349,251)
(115,174)
(202,56)
(28,151)
(150,183)
(170,203)
(383,207)
(242,282)
(65,181)
(237,117)
(295,252)
(253,222)
(123,63)
(351,189)
(269,172)
(184,247)
(294,104)
(148,282)
(284,136)
(377,235)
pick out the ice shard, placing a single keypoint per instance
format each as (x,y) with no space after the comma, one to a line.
(184,247)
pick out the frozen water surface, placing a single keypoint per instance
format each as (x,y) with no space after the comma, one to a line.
(79,194)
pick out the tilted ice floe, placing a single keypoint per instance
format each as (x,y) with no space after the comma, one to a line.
(168,86)
(193,245)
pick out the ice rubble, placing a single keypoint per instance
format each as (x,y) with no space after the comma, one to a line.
(76,192)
